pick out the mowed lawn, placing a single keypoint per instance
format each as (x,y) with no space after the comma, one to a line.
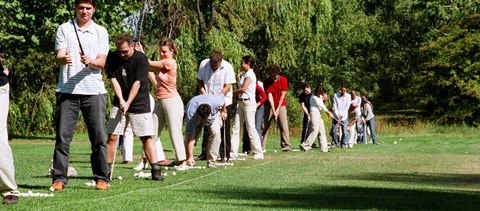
(437,169)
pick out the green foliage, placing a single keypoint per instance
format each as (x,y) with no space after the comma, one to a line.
(453,72)
(374,46)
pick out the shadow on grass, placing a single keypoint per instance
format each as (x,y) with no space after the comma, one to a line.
(349,198)
(454,180)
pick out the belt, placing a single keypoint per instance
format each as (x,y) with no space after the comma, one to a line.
(244,99)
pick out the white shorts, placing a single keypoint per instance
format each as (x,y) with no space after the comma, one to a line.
(142,124)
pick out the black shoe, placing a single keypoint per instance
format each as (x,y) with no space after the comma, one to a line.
(156,172)
(314,145)
(201,157)
(10,199)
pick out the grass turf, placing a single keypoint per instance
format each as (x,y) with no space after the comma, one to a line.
(428,170)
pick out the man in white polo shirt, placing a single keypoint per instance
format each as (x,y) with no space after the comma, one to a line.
(215,76)
(81,88)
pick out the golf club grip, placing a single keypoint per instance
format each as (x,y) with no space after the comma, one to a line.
(78,39)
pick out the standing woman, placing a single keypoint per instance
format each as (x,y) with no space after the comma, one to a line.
(247,106)
(170,105)
(317,105)
(8,185)
(368,119)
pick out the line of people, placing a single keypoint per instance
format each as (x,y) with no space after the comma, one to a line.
(351,116)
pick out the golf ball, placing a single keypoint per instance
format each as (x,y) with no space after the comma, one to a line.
(394,142)
(51,189)
(274,150)
(173,173)
(119,177)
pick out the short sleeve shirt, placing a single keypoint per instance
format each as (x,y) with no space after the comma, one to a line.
(127,72)
(214,101)
(275,87)
(215,80)
(250,92)
(305,99)
(76,78)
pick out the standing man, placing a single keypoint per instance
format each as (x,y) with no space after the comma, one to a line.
(304,100)
(276,87)
(128,71)
(81,88)
(203,110)
(356,103)
(341,104)
(8,186)
(215,76)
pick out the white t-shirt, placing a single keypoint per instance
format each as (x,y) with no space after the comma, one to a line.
(250,92)
(213,81)
(76,78)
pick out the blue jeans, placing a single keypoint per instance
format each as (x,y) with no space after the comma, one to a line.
(67,110)
(345,134)
(371,125)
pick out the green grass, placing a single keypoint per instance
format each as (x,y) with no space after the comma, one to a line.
(433,168)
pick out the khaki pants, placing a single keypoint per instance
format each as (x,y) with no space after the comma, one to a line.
(8,186)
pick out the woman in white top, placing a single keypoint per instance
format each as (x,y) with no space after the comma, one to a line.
(317,105)
(247,106)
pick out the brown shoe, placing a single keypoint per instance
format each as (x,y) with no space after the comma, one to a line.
(10,199)
(101,185)
(57,186)
(156,172)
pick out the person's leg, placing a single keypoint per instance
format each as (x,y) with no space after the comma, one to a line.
(343,126)
(245,140)
(259,120)
(66,119)
(214,140)
(371,125)
(226,132)
(8,185)
(159,122)
(249,116)
(335,135)
(127,146)
(268,118)
(323,135)
(93,109)
(304,128)
(237,123)
(115,128)
(285,134)
(174,118)
(315,117)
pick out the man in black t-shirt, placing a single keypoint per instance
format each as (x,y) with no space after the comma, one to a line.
(304,100)
(128,71)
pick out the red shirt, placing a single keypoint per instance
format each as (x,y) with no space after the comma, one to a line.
(260,95)
(275,87)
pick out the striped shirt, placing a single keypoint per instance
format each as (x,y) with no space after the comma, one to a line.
(76,78)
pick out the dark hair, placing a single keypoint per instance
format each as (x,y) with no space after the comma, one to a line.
(204,111)
(320,90)
(169,43)
(216,56)
(273,69)
(344,86)
(92,2)
(120,39)
(250,60)
(305,85)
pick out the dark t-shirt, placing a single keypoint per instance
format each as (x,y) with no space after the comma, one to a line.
(127,72)
(305,99)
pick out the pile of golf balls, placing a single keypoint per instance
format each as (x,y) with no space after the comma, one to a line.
(32,194)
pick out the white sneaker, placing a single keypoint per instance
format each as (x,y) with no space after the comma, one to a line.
(181,167)
(258,157)
(140,166)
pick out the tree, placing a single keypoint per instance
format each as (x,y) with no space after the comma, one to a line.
(450,78)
